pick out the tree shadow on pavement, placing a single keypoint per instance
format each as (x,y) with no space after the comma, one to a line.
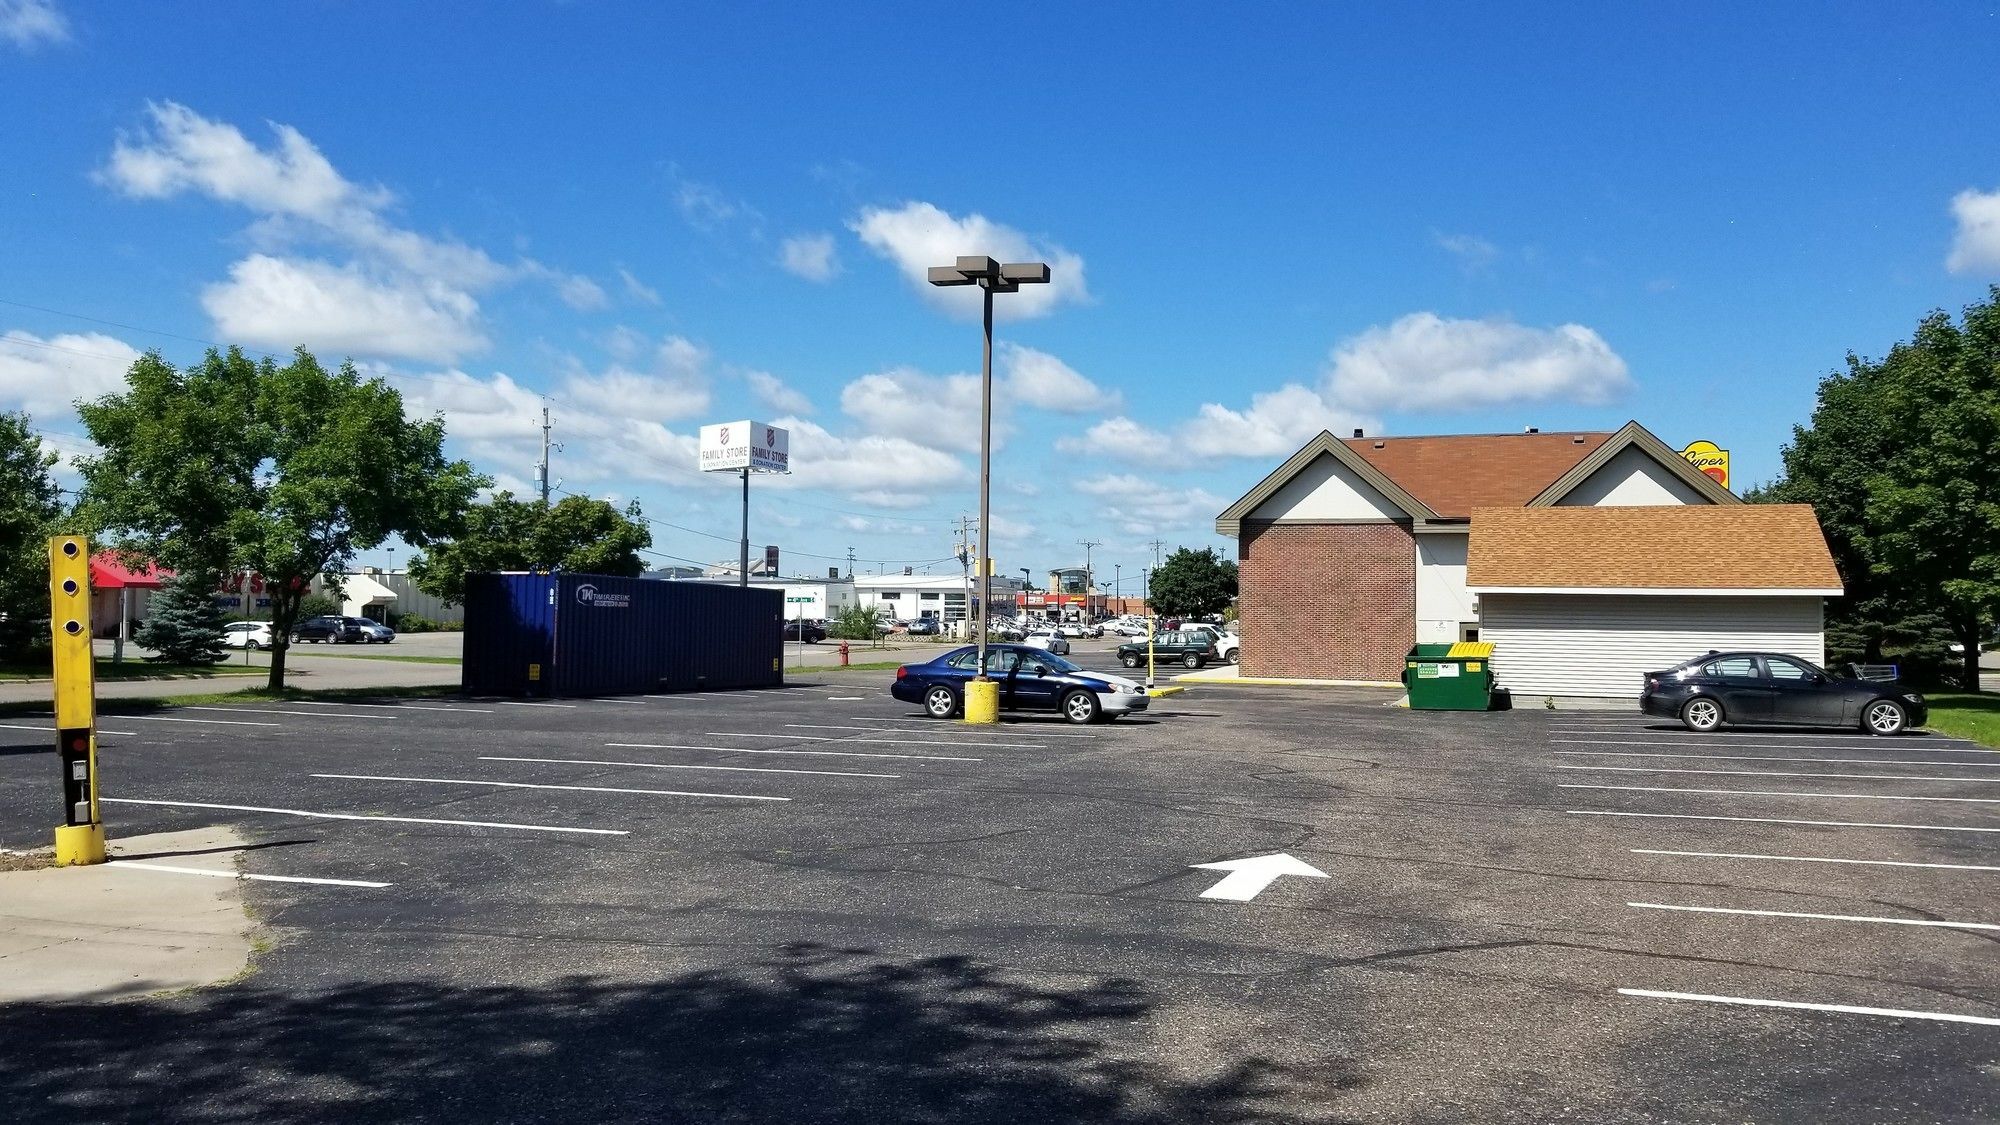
(813,1034)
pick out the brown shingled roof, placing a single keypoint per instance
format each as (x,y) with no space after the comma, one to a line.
(1698,547)
(1455,473)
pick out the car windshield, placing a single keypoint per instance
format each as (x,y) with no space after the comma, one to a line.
(1055,663)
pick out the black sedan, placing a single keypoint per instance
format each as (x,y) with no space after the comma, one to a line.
(811,632)
(1768,688)
(1030,680)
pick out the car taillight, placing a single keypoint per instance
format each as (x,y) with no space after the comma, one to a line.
(1652,684)
(902,671)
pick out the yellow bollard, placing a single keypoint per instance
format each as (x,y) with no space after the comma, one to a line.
(982,701)
(80,838)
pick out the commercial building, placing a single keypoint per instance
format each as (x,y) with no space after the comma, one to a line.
(1354,549)
(907,597)
(807,599)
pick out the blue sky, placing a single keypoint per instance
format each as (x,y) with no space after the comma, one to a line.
(1265,220)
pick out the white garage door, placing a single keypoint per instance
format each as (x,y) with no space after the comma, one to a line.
(1602,644)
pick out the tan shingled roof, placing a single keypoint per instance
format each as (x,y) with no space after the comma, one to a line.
(1698,547)
(1455,473)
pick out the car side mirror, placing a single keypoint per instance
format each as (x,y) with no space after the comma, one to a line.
(1815,678)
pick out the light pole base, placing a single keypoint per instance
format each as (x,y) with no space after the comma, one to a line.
(982,701)
(79,845)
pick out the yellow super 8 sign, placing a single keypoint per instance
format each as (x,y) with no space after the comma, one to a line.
(1710,459)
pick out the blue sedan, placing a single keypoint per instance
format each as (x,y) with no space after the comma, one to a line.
(1030,680)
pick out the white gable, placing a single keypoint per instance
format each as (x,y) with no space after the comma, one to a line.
(1632,479)
(1326,490)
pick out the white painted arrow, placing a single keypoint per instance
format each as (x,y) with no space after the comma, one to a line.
(1247,878)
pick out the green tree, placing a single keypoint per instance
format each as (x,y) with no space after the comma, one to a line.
(1193,583)
(1901,462)
(288,471)
(316,605)
(856,623)
(576,534)
(30,507)
(183,624)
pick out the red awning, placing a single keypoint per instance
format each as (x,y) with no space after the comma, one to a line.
(108,573)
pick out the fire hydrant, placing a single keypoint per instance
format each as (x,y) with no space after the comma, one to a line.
(843,654)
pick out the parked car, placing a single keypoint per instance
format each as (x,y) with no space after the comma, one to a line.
(1227,644)
(811,632)
(378,633)
(1745,688)
(1192,648)
(926,627)
(1048,640)
(252,635)
(1072,629)
(1128,629)
(330,629)
(1030,680)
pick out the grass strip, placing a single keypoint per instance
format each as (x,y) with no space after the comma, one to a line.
(1966,715)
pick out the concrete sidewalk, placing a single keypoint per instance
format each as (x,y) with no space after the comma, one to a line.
(118,930)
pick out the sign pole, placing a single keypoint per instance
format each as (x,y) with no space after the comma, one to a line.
(743,547)
(80,838)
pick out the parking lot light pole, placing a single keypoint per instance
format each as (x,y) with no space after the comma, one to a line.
(991,277)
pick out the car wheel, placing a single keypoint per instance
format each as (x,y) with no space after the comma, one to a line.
(1234,654)
(1080,707)
(1129,659)
(1884,717)
(941,703)
(1191,660)
(253,646)
(1701,715)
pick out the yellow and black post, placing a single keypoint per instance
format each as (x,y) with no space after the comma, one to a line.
(80,838)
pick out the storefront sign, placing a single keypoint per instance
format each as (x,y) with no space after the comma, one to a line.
(1704,455)
(749,445)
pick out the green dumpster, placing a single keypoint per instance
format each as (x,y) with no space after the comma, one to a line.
(1455,677)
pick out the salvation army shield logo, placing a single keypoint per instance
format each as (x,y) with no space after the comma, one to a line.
(770,436)
(725,435)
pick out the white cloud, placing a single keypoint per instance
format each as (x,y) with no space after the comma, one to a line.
(909,403)
(774,393)
(1474,254)
(1117,437)
(674,383)
(638,290)
(30,23)
(1145,506)
(279,303)
(299,197)
(810,256)
(1976,243)
(707,208)
(1039,379)
(44,376)
(1426,362)
(917,236)
(881,469)
(1275,425)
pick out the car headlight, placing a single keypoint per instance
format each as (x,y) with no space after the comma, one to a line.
(1913,697)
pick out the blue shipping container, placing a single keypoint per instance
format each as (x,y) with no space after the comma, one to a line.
(587,634)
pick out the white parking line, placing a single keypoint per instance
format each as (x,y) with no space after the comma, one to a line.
(627,702)
(275,711)
(365,816)
(426,707)
(1741,735)
(672,766)
(919,724)
(137,866)
(846,698)
(890,741)
(52,730)
(818,753)
(1816,917)
(1779,793)
(1776,820)
(526,785)
(210,722)
(1878,745)
(1763,758)
(1783,773)
(933,727)
(1818,859)
(388,706)
(1847,1009)
(516,703)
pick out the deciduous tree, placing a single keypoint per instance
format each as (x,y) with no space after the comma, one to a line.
(577,534)
(1192,583)
(30,506)
(287,471)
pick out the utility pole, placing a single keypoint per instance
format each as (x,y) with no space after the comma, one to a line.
(542,471)
(1089,576)
(964,553)
(1118,584)
(850,562)
(1156,554)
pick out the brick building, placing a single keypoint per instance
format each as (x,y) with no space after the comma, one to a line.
(1354,549)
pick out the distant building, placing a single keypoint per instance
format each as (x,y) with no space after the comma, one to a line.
(908,597)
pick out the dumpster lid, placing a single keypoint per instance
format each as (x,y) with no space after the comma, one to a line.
(1471,650)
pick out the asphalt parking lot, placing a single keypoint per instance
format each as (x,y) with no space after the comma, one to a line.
(812,905)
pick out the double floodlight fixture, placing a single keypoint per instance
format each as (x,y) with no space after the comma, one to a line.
(980,270)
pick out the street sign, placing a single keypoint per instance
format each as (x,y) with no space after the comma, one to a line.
(807,598)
